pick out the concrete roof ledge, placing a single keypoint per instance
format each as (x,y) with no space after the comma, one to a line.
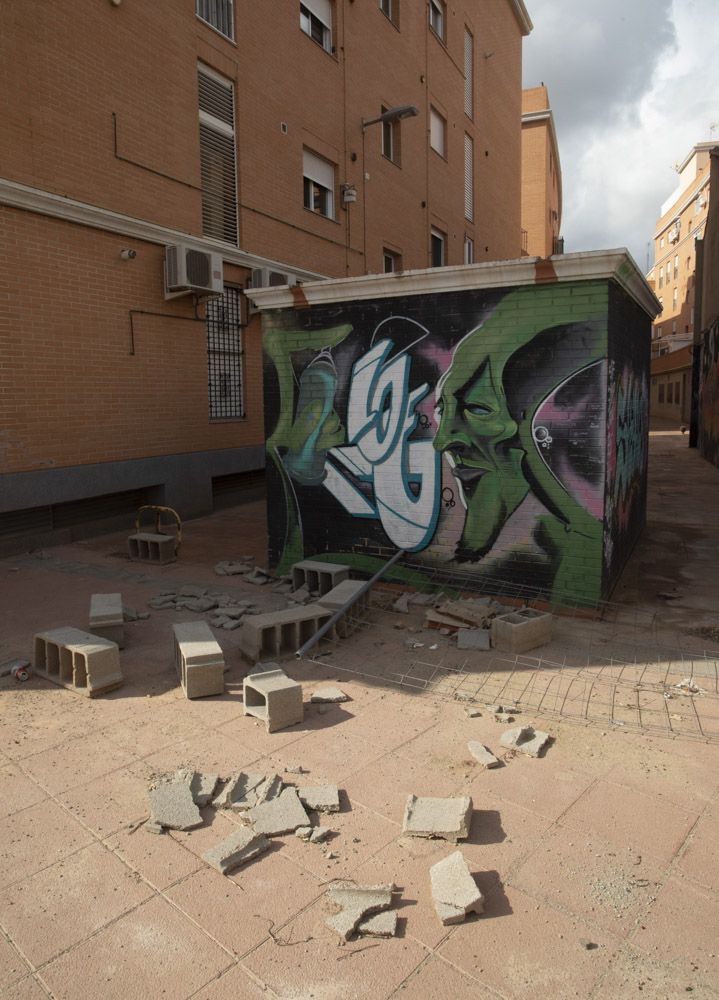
(617,265)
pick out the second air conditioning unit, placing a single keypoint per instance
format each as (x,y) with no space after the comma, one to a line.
(265,277)
(188,270)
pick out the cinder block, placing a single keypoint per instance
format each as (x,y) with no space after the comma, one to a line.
(318,576)
(280,633)
(275,698)
(107,617)
(199,660)
(145,546)
(347,593)
(78,660)
(520,631)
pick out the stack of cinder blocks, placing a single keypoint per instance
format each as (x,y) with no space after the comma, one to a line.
(281,633)
(318,577)
(78,660)
(349,594)
(199,660)
(146,546)
(106,617)
(520,631)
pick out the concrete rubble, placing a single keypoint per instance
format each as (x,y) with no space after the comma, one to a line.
(172,806)
(241,846)
(447,819)
(231,567)
(320,798)
(525,739)
(382,925)
(357,902)
(473,638)
(454,891)
(202,786)
(319,834)
(283,814)
(328,695)
(480,753)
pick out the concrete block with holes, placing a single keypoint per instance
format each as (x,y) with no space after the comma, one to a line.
(199,660)
(146,546)
(280,633)
(520,631)
(347,595)
(275,698)
(86,663)
(107,617)
(318,577)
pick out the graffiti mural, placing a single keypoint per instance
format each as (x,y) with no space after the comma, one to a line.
(709,396)
(467,428)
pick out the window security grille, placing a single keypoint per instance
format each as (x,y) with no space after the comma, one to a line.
(468,73)
(224,355)
(217,156)
(468,178)
(218,13)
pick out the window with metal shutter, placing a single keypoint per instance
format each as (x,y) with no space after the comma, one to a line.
(468,73)
(218,13)
(217,156)
(468,178)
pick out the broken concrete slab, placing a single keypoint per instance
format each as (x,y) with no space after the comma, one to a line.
(152,827)
(197,604)
(231,623)
(357,902)
(447,819)
(172,806)
(401,605)
(202,786)
(319,834)
(454,891)
(241,846)
(190,591)
(304,832)
(232,567)
(382,925)
(320,798)
(258,576)
(473,638)
(239,791)
(328,695)
(269,789)
(283,814)
(480,753)
(526,739)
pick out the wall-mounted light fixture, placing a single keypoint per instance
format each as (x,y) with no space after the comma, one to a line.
(128,254)
(392,115)
(349,194)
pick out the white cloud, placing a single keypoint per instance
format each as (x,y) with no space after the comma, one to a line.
(633,88)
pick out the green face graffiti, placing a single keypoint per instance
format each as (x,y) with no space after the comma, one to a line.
(478,437)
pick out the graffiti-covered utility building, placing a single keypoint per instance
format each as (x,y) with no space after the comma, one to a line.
(489,419)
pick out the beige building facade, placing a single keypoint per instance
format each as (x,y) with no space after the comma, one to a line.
(541,176)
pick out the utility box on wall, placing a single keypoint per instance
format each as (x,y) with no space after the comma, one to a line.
(490,419)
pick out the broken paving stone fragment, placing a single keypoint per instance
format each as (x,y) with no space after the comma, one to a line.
(320,798)
(380,925)
(328,696)
(283,814)
(202,786)
(193,591)
(319,834)
(231,623)
(172,806)
(480,753)
(258,576)
(454,891)
(232,567)
(240,847)
(525,739)
(198,604)
(447,819)
(357,902)
(239,791)
(473,638)
(270,788)
(152,827)
(304,832)
(402,604)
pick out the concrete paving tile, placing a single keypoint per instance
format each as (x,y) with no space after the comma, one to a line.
(252,733)
(61,905)
(158,859)
(217,827)
(385,784)
(682,927)
(317,965)
(16,790)
(391,721)
(436,979)
(237,910)
(520,945)
(633,974)
(12,965)
(235,984)
(151,731)
(26,989)
(700,860)
(591,878)
(111,802)
(44,717)
(216,711)
(76,762)
(501,833)
(685,782)
(651,826)
(151,952)
(216,751)
(330,756)
(35,838)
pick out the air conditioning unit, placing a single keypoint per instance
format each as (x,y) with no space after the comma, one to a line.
(189,270)
(673,234)
(265,277)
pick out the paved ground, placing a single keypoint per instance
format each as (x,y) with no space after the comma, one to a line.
(599,861)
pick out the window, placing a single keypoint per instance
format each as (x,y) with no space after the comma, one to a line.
(468,250)
(391,261)
(316,21)
(674,297)
(468,178)
(661,276)
(438,243)
(661,243)
(219,14)
(437,132)
(224,355)
(661,303)
(437,12)
(391,139)
(669,271)
(217,155)
(390,9)
(676,265)
(468,73)
(661,393)
(319,184)
(674,326)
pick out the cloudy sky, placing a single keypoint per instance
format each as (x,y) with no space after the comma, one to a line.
(633,84)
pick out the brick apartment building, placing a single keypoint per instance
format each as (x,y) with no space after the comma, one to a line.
(246,136)
(541,176)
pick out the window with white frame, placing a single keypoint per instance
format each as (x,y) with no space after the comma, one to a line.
(217,155)
(468,250)
(391,261)
(390,8)
(319,184)
(316,21)
(219,14)
(468,73)
(437,132)
(661,276)
(438,247)
(224,355)
(438,17)
(468,178)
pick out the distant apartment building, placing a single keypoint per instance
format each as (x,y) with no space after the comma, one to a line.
(682,221)
(262,143)
(541,176)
